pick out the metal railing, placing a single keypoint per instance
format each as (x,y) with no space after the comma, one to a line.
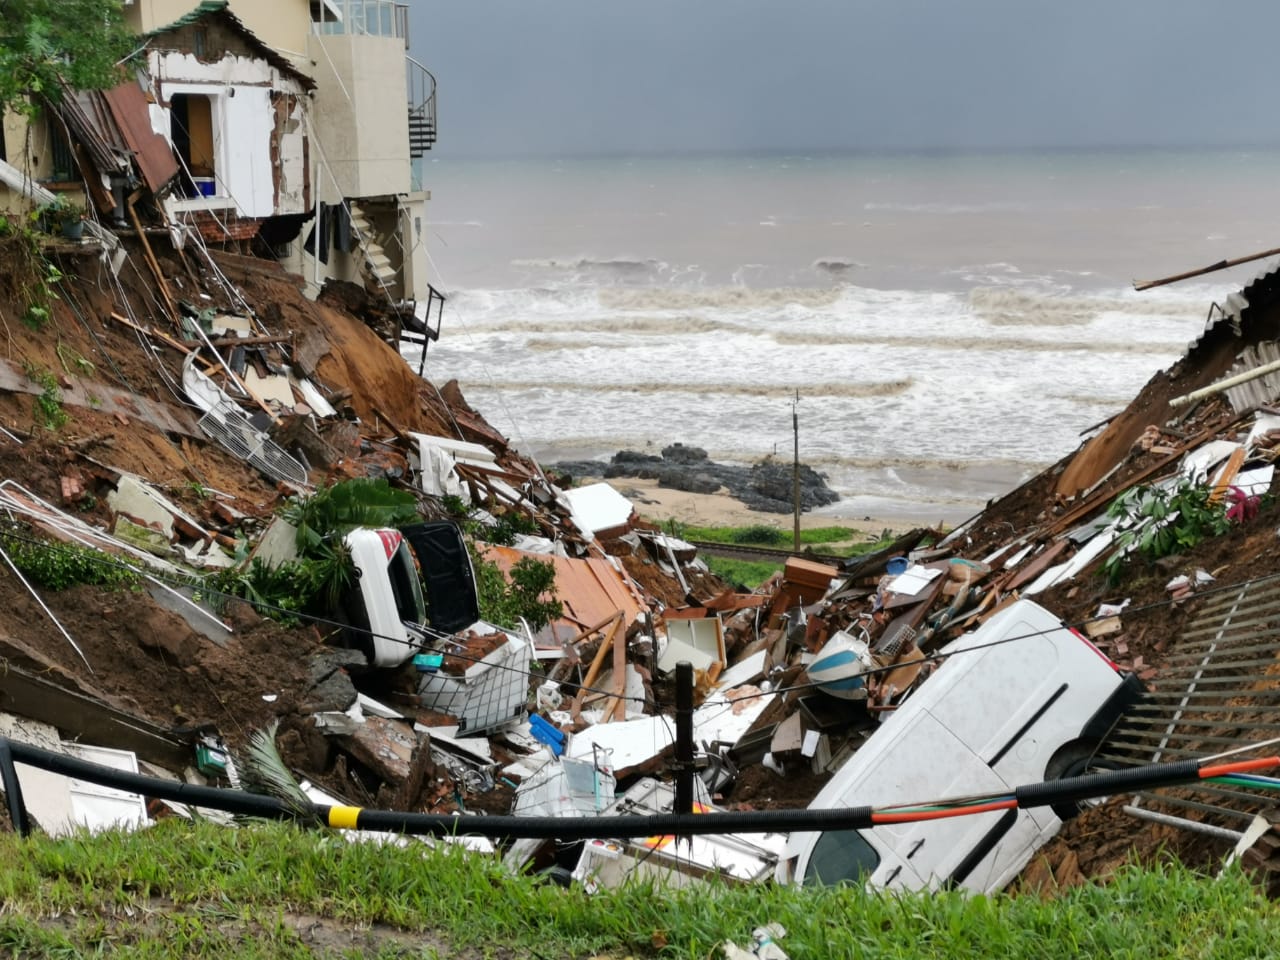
(369,18)
(421,84)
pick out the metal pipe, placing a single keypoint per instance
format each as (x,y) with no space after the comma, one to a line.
(684,738)
(1195,826)
(566,828)
(1226,384)
(1201,271)
(13,791)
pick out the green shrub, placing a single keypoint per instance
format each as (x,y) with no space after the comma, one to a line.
(47,406)
(758,533)
(1163,521)
(58,566)
(528,593)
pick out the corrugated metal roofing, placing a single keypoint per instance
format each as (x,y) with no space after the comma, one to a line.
(155,159)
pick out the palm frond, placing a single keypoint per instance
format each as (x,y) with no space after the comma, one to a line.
(263,770)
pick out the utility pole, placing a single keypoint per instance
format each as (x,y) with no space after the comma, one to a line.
(795,466)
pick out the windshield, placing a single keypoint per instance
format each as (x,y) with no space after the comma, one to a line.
(840,856)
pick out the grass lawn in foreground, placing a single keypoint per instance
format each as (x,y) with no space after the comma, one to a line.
(194,889)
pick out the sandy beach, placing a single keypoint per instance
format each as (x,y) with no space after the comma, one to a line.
(658,504)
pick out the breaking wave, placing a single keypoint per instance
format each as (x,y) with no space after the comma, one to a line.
(619,268)
(1116,403)
(931,464)
(728,298)
(1008,307)
(884,389)
(990,344)
(660,326)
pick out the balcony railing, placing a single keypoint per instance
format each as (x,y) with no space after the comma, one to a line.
(369,18)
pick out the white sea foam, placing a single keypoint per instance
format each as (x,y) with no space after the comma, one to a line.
(951,326)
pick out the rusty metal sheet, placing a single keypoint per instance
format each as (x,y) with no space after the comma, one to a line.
(152,152)
(101,140)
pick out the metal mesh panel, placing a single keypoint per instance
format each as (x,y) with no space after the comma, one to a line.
(228,426)
(1219,690)
(491,693)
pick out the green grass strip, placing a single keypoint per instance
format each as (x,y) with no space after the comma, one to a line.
(199,890)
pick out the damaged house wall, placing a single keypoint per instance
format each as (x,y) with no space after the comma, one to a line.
(280,24)
(238,121)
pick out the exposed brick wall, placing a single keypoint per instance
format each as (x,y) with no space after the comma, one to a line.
(224,226)
(208,41)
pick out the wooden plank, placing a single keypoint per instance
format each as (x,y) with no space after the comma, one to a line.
(1227,475)
(596,664)
(1039,565)
(150,257)
(1100,497)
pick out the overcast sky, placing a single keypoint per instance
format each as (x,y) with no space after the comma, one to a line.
(523,77)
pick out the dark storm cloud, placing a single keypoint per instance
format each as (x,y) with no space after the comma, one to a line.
(586,76)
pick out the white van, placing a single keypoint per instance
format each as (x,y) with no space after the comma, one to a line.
(385,604)
(1012,713)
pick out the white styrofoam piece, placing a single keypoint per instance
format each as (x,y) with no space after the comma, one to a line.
(915,579)
(1046,579)
(628,742)
(1198,463)
(744,671)
(597,506)
(1255,481)
(1089,552)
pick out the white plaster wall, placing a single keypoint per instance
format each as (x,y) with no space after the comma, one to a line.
(293,167)
(413,228)
(172,64)
(361,115)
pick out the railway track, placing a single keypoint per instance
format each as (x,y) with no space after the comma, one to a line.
(735,551)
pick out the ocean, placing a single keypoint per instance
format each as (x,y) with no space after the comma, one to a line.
(943,326)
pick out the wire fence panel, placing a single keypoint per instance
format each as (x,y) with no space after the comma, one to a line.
(1219,691)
